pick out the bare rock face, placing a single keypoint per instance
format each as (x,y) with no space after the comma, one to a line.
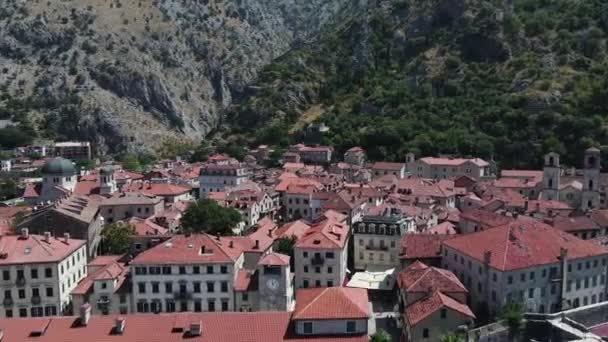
(129,74)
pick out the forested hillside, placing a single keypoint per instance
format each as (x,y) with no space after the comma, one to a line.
(504,79)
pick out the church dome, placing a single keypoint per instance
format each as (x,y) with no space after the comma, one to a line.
(59,167)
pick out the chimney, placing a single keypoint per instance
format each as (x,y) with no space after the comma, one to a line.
(537,207)
(85,314)
(526,203)
(487,257)
(257,244)
(47,237)
(231,244)
(119,325)
(202,249)
(196,328)
(66,238)
(25,233)
(217,237)
(563,253)
(269,233)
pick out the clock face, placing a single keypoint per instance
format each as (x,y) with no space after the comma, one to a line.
(272,284)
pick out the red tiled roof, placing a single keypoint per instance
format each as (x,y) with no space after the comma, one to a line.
(330,233)
(32,190)
(295,228)
(245,280)
(600,217)
(486,219)
(521,244)
(446,227)
(422,246)
(418,279)
(86,187)
(146,227)
(182,249)
(575,224)
(331,303)
(216,327)
(274,259)
(355,149)
(35,249)
(530,174)
(417,265)
(388,166)
(423,308)
(453,161)
(157,189)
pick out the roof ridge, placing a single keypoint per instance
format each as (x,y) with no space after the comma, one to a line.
(49,252)
(426,270)
(314,300)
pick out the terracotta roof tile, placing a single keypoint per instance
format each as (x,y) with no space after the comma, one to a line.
(521,244)
(216,327)
(331,303)
(422,246)
(419,279)
(423,308)
(34,249)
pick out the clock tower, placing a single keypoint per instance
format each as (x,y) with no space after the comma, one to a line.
(275,285)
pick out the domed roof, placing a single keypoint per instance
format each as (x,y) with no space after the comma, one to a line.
(59,166)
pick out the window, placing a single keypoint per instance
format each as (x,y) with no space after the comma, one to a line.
(20,274)
(579,266)
(305,283)
(569,267)
(330,283)
(49,292)
(317,269)
(494,277)
(330,269)
(23,312)
(531,293)
(209,269)
(224,286)
(21,294)
(444,313)
(7,294)
(245,296)
(168,287)
(48,272)
(305,268)
(166,269)
(196,270)
(510,280)
(182,270)
(588,265)
(305,254)
(197,287)
(317,283)
(170,305)
(210,287)
(351,326)
(8,313)
(154,270)
(307,327)
(141,287)
(198,306)
(224,269)
(532,275)
(586,282)
(211,305)
(6,275)
(522,277)
(595,263)
(329,255)
(224,305)
(155,287)
(425,333)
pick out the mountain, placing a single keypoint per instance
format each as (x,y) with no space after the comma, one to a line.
(130,75)
(502,79)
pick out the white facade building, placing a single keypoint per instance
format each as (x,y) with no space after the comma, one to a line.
(39,272)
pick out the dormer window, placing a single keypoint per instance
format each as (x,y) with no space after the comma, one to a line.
(307,328)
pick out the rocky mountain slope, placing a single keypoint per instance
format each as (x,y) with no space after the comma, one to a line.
(128,75)
(503,79)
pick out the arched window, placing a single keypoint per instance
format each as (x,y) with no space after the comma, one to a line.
(551,161)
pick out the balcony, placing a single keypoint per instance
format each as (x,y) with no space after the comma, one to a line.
(182,295)
(20,282)
(7,301)
(317,260)
(376,248)
(36,300)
